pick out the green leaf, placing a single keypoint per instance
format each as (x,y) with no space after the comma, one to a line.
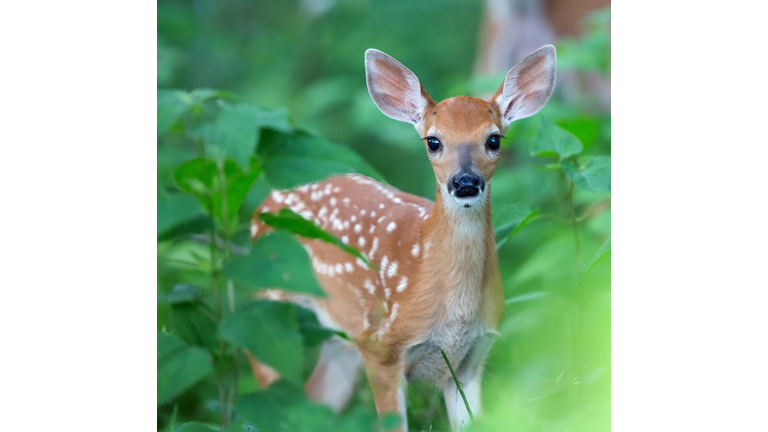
(198,225)
(267,409)
(181,293)
(390,421)
(178,366)
(282,407)
(276,260)
(510,220)
(202,178)
(293,159)
(174,209)
(193,322)
(553,141)
(276,119)
(239,427)
(602,253)
(313,333)
(171,104)
(510,216)
(236,130)
(196,427)
(294,223)
(269,330)
(593,176)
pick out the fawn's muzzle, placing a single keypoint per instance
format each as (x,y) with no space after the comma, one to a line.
(466,185)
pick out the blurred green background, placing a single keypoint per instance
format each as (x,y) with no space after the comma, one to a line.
(302,61)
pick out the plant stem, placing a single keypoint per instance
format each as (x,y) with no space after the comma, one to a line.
(230,286)
(458,384)
(216,301)
(592,209)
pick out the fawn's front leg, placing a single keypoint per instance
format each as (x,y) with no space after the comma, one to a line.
(387,380)
(470,376)
(454,403)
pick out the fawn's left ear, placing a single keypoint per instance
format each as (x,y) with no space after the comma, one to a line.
(527,86)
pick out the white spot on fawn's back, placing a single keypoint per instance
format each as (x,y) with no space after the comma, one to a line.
(415,250)
(358,227)
(392,269)
(383,268)
(402,285)
(393,315)
(369,286)
(391,226)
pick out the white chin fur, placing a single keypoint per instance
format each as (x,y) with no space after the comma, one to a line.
(467,201)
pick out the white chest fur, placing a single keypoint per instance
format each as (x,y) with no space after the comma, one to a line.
(456,324)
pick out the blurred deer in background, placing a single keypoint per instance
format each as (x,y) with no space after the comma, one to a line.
(438,282)
(510,29)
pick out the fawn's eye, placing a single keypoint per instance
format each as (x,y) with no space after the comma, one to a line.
(433,144)
(494,142)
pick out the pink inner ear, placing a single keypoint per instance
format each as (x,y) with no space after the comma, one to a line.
(394,88)
(527,90)
(390,78)
(534,77)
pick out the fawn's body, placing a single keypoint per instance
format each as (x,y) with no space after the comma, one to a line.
(438,282)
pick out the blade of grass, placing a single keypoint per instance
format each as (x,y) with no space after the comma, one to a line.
(458,384)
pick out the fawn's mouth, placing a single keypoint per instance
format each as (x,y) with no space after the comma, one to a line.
(467,197)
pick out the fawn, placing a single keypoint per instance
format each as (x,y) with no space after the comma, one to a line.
(438,282)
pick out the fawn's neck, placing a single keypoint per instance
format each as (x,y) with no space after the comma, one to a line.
(458,242)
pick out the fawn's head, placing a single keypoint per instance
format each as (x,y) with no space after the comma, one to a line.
(462,134)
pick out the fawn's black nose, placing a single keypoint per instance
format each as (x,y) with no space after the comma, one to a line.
(467,185)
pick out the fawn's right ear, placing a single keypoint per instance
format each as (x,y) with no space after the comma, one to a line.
(527,86)
(395,89)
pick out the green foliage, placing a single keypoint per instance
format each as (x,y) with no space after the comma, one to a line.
(276,260)
(554,141)
(593,176)
(290,221)
(294,159)
(510,220)
(178,366)
(182,293)
(270,332)
(219,186)
(174,210)
(602,254)
(220,152)
(196,427)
